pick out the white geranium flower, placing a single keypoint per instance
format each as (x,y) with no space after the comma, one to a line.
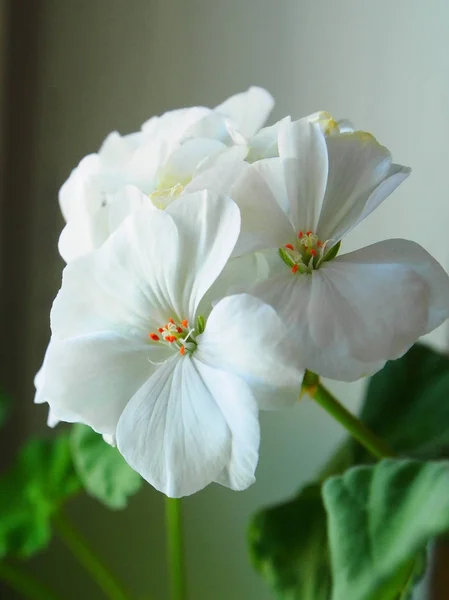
(354,312)
(135,354)
(160,160)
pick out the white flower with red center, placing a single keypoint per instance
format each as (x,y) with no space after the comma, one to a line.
(138,354)
(159,161)
(350,313)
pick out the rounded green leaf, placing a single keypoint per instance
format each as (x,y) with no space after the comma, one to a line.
(103,471)
(32,490)
(380,520)
(288,547)
(406,404)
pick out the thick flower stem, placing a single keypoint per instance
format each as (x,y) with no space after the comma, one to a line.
(175,549)
(375,446)
(25,584)
(80,549)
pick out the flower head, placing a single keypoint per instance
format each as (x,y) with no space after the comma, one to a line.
(138,354)
(159,161)
(351,313)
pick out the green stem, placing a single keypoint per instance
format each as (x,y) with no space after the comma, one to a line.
(175,549)
(80,549)
(377,447)
(25,584)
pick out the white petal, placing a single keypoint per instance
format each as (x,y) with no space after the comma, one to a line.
(245,336)
(174,433)
(221,177)
(264,144)
(90,379)
(183,162)
(157,265)
(127,200)
(264,223)
(302,148)
(208,227)
(248,110)
(290,296)
(361,176)
(240,412)
(410,256)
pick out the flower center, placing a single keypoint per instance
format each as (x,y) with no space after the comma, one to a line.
(176,334)
(307,253)
(162,197)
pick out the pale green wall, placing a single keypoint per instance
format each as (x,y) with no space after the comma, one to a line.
(109,64)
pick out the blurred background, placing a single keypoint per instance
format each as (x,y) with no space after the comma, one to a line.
(73,70)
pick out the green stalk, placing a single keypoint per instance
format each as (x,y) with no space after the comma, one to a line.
(175,549)
(79,547)
(376,446)
(25,584)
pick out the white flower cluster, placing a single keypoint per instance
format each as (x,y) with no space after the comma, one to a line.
(203,277)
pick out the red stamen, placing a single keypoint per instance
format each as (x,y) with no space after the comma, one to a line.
(171,321)
(179,329)
(161,330)
(313,252)
(185,323)
(294,268)
(154,337)
(170,338)
(289,246)
(300,234)
(309,232)
(182,350)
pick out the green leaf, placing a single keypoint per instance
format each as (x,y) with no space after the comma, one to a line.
(407,404)
(103,471)
(35,486)
(288,546)
(380,518)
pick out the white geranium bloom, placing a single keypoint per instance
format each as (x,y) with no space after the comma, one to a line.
(159,161)
(132,356)
(354,312)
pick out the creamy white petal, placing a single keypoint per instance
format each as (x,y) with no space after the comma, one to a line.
(90,379)
(245,336)
(410,256)
(182,163)
(361,309)
(264,223)
(157,265)
(173,431)
(208,227)
(221,177)
(264,144)
(358,166)
(127,200)
(302,148)
(290,295)
(248,110)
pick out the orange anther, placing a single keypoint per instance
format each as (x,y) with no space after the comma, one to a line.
(309,232)
(179,329)
(294,268)
(185,323)
(289,246)
(154,337)
(300,234)
(161,330)
(170,338)
(182,350)
(171,321)
(313,252)
(319,244)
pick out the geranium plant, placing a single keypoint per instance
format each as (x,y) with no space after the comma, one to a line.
(205,281)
